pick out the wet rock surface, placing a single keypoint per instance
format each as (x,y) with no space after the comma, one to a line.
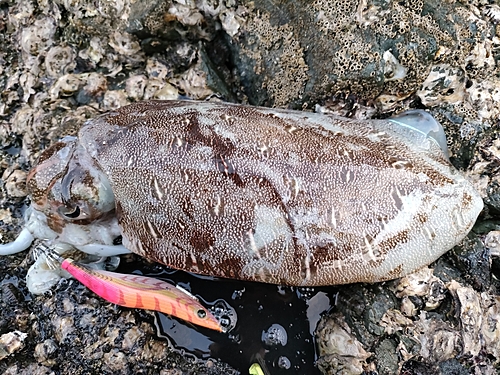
(64,62)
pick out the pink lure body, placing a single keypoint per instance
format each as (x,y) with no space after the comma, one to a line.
(143,292)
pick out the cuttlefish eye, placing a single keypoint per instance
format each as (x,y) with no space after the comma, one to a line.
(72,212)
(84,191)
(423,123)
(51,166)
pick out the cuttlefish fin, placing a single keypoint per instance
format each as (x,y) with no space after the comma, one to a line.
(140,292)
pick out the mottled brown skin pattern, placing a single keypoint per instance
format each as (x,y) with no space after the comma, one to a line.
(51,186)
(274,196)
(41,179)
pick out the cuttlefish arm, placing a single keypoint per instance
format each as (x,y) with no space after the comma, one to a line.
(25,238)
(140,292)
(21,243)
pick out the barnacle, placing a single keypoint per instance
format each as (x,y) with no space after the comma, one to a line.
(492,11)
(59,61)
(444,84)
(484,96)
(393,70)
(288,66)
(36,38)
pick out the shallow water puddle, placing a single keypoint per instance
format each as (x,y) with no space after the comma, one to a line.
(274,326)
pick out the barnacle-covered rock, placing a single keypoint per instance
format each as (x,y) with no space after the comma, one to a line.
(338,349)
(492,242)
(367,47)
(485,168)
(45,352)
(59,61)
(443,85)
(11,342)
(421,284)
(36,38)
(15,183)
(471,317)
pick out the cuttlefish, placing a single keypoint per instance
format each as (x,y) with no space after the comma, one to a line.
(250,193)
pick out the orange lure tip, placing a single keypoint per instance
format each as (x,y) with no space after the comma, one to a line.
(143,292)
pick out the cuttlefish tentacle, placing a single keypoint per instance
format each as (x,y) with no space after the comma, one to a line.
(25,239)
(21,243)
